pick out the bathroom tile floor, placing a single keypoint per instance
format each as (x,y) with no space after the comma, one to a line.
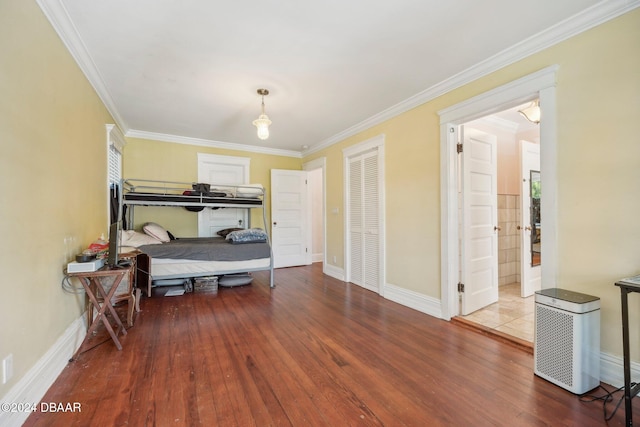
(511,315)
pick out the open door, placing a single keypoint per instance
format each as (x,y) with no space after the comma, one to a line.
(290,218)
(479,221)
(530,229)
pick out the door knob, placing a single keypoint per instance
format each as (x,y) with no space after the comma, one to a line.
(275,223)
(528,228)
(496,228)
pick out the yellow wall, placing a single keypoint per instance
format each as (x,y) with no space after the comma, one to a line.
(52,181)
(598,102)
(412,199)
(147,159)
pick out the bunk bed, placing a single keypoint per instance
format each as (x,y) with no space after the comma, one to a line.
(241,251)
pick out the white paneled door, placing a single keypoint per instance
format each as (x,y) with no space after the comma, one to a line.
(479,221)
(290,218)
(531,275)
(222,170)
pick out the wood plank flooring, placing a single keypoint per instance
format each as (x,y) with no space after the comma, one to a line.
(314,351)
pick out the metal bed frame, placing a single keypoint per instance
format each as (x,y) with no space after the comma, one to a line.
(143,192)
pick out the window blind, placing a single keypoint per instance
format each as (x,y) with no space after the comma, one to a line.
(115,165)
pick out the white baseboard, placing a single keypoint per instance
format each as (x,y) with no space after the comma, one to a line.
(414,300)
(611,367)
(333,271)
(317,257)
(612,370)
(33,386)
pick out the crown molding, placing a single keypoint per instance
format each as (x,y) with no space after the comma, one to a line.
(211,144)
(57,15)
(583,21)
(598,14)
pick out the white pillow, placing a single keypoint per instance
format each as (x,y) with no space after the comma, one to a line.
(250,191)
(157,231)
(135,239)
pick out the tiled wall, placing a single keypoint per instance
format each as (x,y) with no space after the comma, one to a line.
(508,239)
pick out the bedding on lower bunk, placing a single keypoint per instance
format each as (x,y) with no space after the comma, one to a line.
(207,249)
(165,257)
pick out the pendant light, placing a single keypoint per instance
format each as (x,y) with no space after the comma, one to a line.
(262,122)
(532,112)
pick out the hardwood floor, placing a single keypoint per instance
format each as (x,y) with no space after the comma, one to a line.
(314,351)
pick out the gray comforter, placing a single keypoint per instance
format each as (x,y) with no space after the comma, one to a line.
(207,249)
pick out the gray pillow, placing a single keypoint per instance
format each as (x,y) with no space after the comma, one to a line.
(224,232)
(247,236)
(231,280)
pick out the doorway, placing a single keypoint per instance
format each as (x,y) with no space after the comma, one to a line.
(317,206)
(518,159)
(298,217)
(540,85)
(290,218)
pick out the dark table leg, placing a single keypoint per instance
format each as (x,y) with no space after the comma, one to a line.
(627,362)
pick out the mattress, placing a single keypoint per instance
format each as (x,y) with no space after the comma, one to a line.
(207,249)
(193,257)
(167,268)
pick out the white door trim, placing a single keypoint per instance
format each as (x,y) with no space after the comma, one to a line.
(540,84)
(320,163)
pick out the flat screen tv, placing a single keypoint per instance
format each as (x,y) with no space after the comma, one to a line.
(112,258)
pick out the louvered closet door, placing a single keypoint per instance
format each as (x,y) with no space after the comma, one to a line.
(364,221)
(356,221)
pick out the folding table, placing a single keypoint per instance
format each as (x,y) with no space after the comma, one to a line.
(92,283)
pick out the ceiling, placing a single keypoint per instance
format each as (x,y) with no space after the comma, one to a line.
(188,70)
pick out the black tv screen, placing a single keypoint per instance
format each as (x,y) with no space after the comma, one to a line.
(112,259)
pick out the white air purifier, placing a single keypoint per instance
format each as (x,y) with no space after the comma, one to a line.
(566,347)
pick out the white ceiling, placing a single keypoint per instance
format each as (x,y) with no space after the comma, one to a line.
(188,70)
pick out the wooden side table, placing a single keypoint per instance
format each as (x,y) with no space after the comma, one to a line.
(130,292)
(101,300)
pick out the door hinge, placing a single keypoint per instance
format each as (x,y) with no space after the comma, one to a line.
(460,287)
(459,147)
